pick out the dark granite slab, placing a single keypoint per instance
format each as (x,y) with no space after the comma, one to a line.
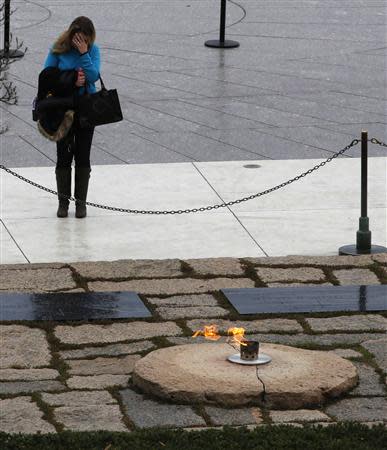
(72,306)
(308,299)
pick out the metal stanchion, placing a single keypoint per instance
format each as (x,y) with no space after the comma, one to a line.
(222,43)
(6,52)
(363,236)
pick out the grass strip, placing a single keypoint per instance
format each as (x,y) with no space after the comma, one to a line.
(345,436)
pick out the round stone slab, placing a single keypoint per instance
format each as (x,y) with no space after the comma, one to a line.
(200,373)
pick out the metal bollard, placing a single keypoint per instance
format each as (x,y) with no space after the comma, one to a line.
(363,236)
(6,52)
(222,43)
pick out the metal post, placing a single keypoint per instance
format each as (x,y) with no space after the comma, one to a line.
(6,52)
(363,236)
(222,43)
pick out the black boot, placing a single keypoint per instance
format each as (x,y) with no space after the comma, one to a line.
(82,175)
(63,183)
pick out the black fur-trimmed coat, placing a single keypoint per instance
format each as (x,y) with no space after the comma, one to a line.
(56,102)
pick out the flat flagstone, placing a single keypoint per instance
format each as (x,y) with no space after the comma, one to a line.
(25,387)
(369,382)
(100,366)
(21,415)
(328,261)
(107,350)
(296,274)
(359,409)
(97,381)
(301,415)
(216,266)
(23,347)
(250,326)
(38,280)
(360,322)
(378,348)
(172,286)
(234,416)
(28,374)
(104,270)
(90,418)
(347,353)
(116,332)
(380,258)
(184,300)
(146,413)
(355,276)
(78,398)
(192,311)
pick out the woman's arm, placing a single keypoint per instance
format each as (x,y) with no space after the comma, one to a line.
(90,63)
(51,60)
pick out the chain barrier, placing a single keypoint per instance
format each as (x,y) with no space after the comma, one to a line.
(205,208)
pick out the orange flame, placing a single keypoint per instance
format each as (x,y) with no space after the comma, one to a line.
(209,332)
(237,335)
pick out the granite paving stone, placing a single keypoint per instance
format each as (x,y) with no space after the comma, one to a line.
(173,286)
(184,300)
(359,410)
(97,381)
(21,415)
(191,311)
(23,347)
(380,258)
(301,415)
(20,387)
(355,276)
(369,382)
(360,322)
(378,347)
(100,366)
(38,280)
(250,326)
(90,418)
(347,353)
(234,416)
(216,266)
(116,332)
(28,374)
(146,413)
(104,270)
(78,398)
(328,261)
(297,274)
(107,350)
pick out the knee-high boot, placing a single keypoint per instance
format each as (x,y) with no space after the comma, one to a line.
(63,183)
(82,175)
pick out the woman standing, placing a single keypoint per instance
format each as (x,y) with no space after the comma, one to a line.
(75,50)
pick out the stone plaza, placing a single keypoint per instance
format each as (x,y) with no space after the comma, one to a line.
(201,127)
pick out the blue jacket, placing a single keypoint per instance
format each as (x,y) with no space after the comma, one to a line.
(90,63)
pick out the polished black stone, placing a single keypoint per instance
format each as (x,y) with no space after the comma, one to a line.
(308,299)
(72,306)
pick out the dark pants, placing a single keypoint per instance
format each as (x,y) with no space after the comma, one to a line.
(76,146)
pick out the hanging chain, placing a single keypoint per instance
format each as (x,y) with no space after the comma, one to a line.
(376,141)
(194,210)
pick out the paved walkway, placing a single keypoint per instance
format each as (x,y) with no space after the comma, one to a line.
(76,376)
(313,216)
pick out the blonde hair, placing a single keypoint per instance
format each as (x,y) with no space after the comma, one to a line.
(81,24)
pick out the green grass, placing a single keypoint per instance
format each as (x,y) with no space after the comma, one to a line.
(336,437)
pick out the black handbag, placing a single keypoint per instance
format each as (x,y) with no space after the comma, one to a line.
(100,108)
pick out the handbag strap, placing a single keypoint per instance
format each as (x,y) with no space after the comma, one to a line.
(101,81)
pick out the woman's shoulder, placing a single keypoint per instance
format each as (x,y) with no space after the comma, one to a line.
(94,48)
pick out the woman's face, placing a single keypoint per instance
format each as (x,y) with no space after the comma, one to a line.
(82,36)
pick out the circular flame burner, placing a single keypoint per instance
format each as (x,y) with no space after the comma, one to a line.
(262,359)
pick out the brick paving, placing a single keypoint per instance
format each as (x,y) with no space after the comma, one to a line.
(81,372)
